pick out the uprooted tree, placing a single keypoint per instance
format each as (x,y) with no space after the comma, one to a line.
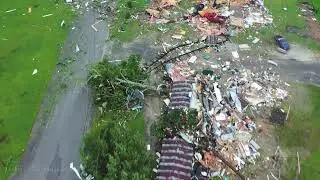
(112,150)
(112,82)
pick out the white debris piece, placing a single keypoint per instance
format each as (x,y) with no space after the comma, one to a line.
(303,10)
(256,86)
(214,66)
(148,147)
(235,98)
(35,71)
(192,59)
(257,18)
(254,144)
(193,100)
(226,13)
(281,50)
(256,40)
(272,62)
(235,54)
(167,101)
(240,162)
(281,94)
(222,172)
(214,174)
(217,92)
(255,100)
(75,171)
(62,23)
(11,10)
(203,173)
(185,137)
(198,156)
(246,149)
(77,48)
(69,1)
(244,47)
(227,137)
(47,15)
(162,21)
(221,117)
(177,36)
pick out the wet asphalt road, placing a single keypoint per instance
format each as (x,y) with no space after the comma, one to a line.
(299,71)
(48,157)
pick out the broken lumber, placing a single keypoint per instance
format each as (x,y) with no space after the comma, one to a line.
(229,165)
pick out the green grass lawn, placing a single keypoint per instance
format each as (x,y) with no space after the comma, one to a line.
(28,41)
(281,19)
(303,131)
(138,122)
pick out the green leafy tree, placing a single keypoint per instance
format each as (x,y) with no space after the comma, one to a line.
(112,150)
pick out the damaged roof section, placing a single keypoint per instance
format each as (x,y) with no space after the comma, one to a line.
(175,160)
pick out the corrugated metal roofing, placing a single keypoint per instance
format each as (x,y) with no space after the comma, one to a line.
(180,94)
(175,160)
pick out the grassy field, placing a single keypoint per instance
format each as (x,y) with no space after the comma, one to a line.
(28,41)
(281,19)
(302,132)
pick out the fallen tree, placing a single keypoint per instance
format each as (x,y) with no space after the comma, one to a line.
(112,149)
(112,82)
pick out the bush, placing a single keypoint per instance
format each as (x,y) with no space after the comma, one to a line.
(176,120)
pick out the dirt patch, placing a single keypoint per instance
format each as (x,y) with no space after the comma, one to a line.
(271,157)
(313,26)
(314,29)
(278,116)
(3,138)
(152,110)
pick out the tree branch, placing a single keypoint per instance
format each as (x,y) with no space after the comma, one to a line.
(126,81)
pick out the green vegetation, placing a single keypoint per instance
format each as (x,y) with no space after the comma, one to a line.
(175,119)
(282,19)
(28,41)
(124,27)
(115,148)
(110,93)
(302,131)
